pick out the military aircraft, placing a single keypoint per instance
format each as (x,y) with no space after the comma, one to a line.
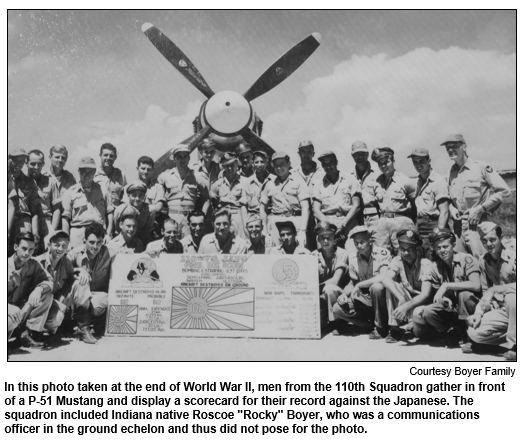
(228,117)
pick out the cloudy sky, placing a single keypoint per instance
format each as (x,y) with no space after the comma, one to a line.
(390,78)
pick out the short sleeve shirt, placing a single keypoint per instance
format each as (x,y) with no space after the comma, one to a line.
(157,248)
(462,267)
(234,246)
(285,197)
(336,197)
(83,208)
(21,282)
(189,246)
(367,184)
(183,192)
(146,222)
(64,181)
(279,250)
(119,245)
(311,178)
(361,269)
(251,197)
(224,193)
(154,194)
(27,201)
(326,270)
(394,195)
(410,277)
(498,272)
(48,193)
(63,274)
(99,268)
(113,184)
(429,193)
(212,175)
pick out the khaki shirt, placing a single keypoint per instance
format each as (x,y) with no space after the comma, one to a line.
(410,277)
(118,245)
(189,246)
(279,250)
(476,183)
(99,269)
(48,193)
(312,178)
(64,181)
(430,193)
(463,266)
(336,199)
(251,196)
(224,193)
(326,270)
(63,274)
(367,184)
(211,176)
(113,184)
(285,197)
(185,192)
(157,248)
(394,195)
(234,246)
(361,269)
(146,221)
(154,193)
(500,272)
(83,208)
(260,249)
(22,282)
(27,200)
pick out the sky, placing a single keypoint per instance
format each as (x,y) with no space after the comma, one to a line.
(402,79)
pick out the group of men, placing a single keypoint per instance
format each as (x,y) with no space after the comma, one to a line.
(397,257)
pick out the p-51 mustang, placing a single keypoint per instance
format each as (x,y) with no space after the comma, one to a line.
(228,117)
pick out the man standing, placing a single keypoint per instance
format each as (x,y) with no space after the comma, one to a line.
(208,167)
(126,241)
(257,241)
(308,169)
(395,194)
(191,242)
(29,290)
(244,155)
(110,179)
(169,243)
(223,240)
(154,196)
(250,199)
(58,157)
(86,203)
(476,192)
(431,198)
(495,319)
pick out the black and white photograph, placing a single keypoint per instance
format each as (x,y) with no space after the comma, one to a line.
(376,148)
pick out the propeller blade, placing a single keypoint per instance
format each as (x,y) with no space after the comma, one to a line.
(257,143)
(177,58)
(284,67)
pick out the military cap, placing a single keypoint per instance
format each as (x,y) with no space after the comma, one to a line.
(228,158)
(280,155)
(326,154)
(419,152)
(359,229)
(180,148)
(260,153)
(409,236)
(286,224)
(454,138)
(59,234)
(18,152)
(207,142)
(381,152)
(441,234)
(253,217)
(325,227)
(136,185)
(87,163)
(243,148)
(306,143)
(359,146)
(485,227)
(129,210)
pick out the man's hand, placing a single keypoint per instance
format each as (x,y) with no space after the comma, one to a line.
(34,297)
(439,295)
(474,320)
(83,277)
(474,215)
(453,211)
(343,299)
(14,313)
(332,291)
(485,301)
(401,312)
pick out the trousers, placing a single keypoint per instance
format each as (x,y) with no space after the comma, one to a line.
(364,307)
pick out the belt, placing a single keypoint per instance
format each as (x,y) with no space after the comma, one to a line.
(334,213)
(428,218)
(370,211)
(394,214)
(287,215)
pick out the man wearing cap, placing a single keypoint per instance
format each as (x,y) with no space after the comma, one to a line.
(256,240)
(169,243)
(208,168)
(154,191)
(244,156)
(110,179)
(250,199)
(86,203)
(223,240)
(456,278)
(395,194)
(29,290)
(431,197)
(407,285)
(284,198)
(49,195)
(127,241)
(476,192)
(191,242)
(333,268)
(227,191)
(308,169)
(23,193)
(495,319)
(336,198)
(185,190)
(288,243)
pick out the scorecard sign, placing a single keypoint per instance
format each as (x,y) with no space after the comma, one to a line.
(259,296)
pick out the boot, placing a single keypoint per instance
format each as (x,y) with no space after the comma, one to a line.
(26,340)
(86,336)
(83,317)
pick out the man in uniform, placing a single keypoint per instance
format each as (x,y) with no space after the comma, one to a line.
(431,197)
(395,194)
(407,285)
(336,198)
(58,157)
(288,243)
(208,168)
(244,155)
(86,203)
(456,278)
(223,240)
(256,240)
(495,319)
(476,192)
(185,190)
(284,198)
(254,184)
(227,191)
(154,191)
(28,290)
(169,243)
(110,179)
(127,241)
(363,299)
(191,242)
(308,169)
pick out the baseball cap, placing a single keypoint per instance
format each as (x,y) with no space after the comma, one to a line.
(306,143)
(180,148)
(59,234)
(326,154)
(87,163)
(359,146)
(454,138)
(419,152)
(280,155)
(358,229)
(18,152)
(228,158)
(261,153)
(286,224)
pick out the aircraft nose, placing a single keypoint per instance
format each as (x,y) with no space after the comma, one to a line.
(228,112)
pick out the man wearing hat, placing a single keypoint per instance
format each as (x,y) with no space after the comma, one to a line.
(288,244)
(256,240)
(227,191)
(207,167)
(336,198)
(127,241)
(284,198)
(23,194)
(495,319)
(250,199)
(223,241)
(308,169)
(407,285)
(169,242)
(86,203)
(184,189)
(395,194)
(431,197)
(191,242)
(110,178)
(476,192)
(244,156)
(363,300)
(456,278)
